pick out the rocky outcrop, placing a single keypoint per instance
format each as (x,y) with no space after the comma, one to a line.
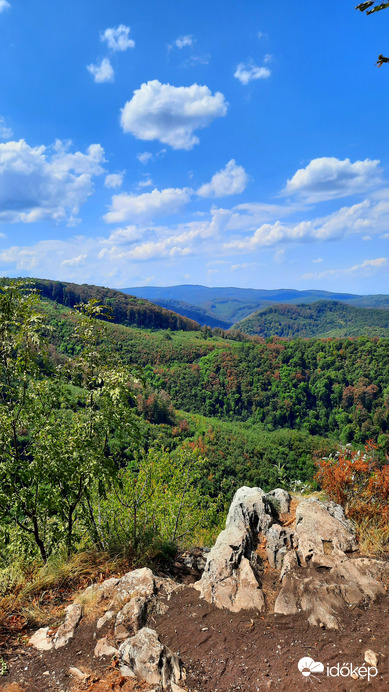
(319,574)
(322,527)
(123,604)
(233,572)
(143,656)
(43,640)
(320,578)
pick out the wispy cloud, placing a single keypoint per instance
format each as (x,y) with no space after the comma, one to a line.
(113,180)
(183,41)
(102,72)
(6,132)
(118,38)
(366,267)
(249,72)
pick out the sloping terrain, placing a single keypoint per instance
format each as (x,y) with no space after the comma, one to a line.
(126,309)
(322,319)
(231,304)
(144,628)
(193,312)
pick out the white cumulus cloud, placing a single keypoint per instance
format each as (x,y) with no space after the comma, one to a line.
(171,114)
(147,205)
(328,178)
(354,219)
(118,38)
(102,72)
(114,180)
(231,180)
(39,183)
(248,72)
(4,5)
(122,236)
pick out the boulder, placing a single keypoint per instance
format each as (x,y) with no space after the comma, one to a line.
(140,582)
(249,511)
(327,586)
(280,500)
(41,640)
(131,618)
(322,527)
(104,648)
(143,656)
(66,632)
(232,574)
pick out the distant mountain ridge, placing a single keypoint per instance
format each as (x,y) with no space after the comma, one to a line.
(322,319)
(231,304)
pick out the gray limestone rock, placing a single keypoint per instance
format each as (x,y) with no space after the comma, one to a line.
(232,575)
(66,632)
(143,656)
(280,500)
(322,527)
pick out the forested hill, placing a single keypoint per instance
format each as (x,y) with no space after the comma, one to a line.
(194,312)
(231,304)
(126,309)
(322,319)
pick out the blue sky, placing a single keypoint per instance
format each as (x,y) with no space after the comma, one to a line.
(171,141)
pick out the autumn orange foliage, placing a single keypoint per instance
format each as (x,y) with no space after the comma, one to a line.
(358,482)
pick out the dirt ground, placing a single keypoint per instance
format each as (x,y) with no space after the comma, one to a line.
(221,652)
(224,651)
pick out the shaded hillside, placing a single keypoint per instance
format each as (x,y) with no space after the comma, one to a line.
(231,304)
(321,319)
(198,314)
(127,310)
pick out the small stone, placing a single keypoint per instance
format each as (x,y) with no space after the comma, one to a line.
(105,618)
(355,676)
(77,673)
(41,640)
(371,658)
(104,648)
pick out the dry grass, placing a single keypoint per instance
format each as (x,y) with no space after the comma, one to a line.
(37,597)
(373,537)
(92,607)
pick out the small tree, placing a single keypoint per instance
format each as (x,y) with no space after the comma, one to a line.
(53,456)
(357,481)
